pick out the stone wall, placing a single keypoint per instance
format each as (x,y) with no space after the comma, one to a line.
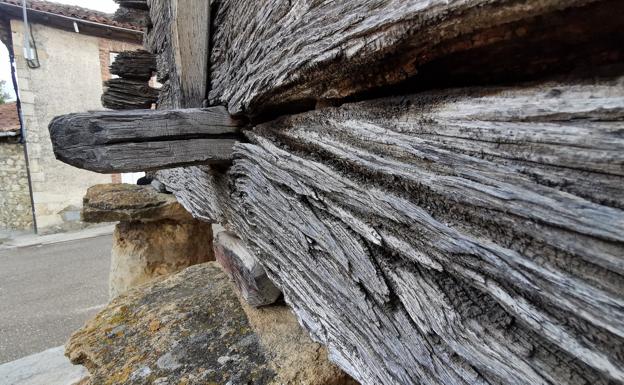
(15,211)
(69,80)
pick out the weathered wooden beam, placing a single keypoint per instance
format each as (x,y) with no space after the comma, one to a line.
(471,236)
(138,65)
(180,37)
(136,4)
(200,189)
(190,39)
(136,16)
(275,54)
(245,270)
(140,140)
(128,94)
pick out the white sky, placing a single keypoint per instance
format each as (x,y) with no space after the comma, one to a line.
(100,5)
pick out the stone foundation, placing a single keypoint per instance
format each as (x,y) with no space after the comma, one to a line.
(15,208)
(144,251)
(192,329)
(156,236)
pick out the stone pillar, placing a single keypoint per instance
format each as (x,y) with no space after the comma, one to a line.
(143,251)
(155,236)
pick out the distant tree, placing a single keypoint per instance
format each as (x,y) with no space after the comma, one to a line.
(4,95)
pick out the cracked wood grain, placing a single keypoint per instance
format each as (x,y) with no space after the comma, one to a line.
(139,140)
(275,53)
(414,236)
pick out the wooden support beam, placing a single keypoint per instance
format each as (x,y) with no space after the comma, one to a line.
(128,94)
(135,4)
(138,65)
(270,54)
(190,34)
(180,37)
(140,140)
(245,270)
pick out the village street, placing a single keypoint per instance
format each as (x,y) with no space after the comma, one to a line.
(47,291)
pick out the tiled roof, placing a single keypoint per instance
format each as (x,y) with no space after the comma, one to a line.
(72,11)
(9,120)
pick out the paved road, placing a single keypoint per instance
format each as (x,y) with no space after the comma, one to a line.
(47,292)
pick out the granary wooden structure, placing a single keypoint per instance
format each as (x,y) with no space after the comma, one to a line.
(436,186)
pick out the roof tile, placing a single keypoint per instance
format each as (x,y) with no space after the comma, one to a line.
(73,11)
(9,120)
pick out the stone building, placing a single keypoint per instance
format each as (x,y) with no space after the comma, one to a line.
(71,50)
(15,206)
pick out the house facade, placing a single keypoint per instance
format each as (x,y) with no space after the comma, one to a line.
(69,53)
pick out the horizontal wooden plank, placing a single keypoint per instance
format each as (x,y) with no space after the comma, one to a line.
(121,141)
(128,94)
(134,65)
(133,157)
(273,54)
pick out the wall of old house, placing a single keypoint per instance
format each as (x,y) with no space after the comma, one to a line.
(15,211)
(73,67)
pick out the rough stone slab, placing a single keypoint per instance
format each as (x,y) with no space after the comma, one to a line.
(245,270)
(191,329)
(295,358)
(128,203)
(146,251)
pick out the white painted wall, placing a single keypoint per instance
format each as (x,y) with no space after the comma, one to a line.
(69,80)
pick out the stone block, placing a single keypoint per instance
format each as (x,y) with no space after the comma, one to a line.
(144,251)
(71,214)
(126,202)
(245,270)
(192,329)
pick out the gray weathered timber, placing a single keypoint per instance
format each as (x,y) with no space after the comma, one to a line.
(190,35)
(134,65)
(199,189)
(271,53)
(139,140)
(245,270)
(134,4)
(157,40)
(467,237)
(128,94)
(132,15)
(180,37)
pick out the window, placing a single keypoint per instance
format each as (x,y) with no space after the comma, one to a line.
(111,58)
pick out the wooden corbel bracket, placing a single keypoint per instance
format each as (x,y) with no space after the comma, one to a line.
(141,140)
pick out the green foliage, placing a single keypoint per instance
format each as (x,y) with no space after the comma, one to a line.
(4,95)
